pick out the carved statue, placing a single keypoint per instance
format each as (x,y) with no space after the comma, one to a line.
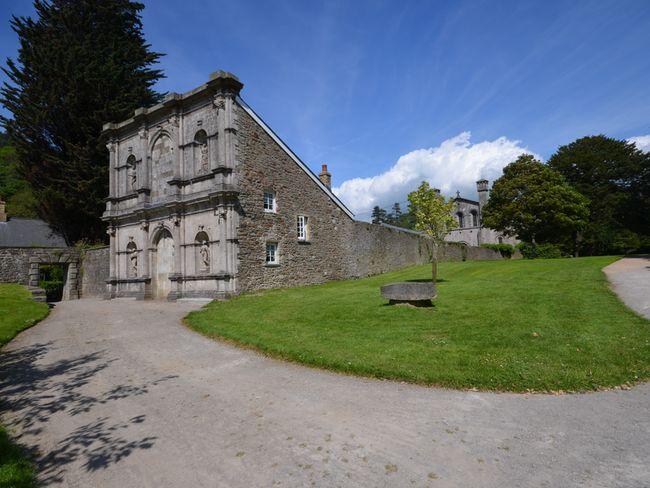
(133,257)
(204,251)
(205,164)
(133,177)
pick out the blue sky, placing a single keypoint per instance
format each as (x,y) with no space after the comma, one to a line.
(374,86)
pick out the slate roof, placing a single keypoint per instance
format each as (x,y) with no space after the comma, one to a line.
(17,232)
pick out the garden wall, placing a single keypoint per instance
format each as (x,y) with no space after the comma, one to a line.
(14,264)
(94,272)
(375,249)
(21,265)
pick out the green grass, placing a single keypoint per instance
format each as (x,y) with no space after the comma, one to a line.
(521,325)
(16,471)
(17,312)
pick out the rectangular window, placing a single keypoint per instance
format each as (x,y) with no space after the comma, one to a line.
(269,201)
(271,253)
(303,229)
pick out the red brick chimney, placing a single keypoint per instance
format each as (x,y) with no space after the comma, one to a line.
(326,177)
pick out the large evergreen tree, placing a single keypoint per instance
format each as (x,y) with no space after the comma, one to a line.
(615,176)
(535,203)
(81,63)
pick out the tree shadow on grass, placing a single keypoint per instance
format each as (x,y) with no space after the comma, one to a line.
(33,391)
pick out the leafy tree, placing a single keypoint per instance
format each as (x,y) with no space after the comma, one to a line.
(615,176)
(535,203)
(379,215)
(81,63)
(433,216)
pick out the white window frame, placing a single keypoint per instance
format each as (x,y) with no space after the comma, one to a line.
(302,228)
(270,204)
(271,252)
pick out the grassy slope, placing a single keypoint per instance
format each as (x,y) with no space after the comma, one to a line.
(522,325)
(17,312)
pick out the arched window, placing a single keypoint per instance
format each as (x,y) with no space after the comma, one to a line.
(461,220)
(201,152)
(474,218)
(131,260)
(202,252)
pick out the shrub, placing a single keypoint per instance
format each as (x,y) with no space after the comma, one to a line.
(539,251)
(506,250)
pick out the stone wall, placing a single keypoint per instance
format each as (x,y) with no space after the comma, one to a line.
(21,265)
(264,166)
(14,264)
(94,272)
(374,249)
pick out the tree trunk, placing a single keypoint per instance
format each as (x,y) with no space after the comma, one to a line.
(434,269)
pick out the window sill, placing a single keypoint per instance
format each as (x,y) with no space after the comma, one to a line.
(304,241)
(270,211)
(271,265)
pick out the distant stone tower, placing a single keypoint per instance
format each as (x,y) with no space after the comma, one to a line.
(482,189)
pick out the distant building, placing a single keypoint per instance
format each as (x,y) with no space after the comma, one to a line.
(469,215)
(19,232)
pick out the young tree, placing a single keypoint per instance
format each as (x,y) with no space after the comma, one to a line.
(433,216)
(379,215)
(615,176)
(80,64)
(535,203)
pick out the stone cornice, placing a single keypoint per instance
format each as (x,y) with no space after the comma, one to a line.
(221,83)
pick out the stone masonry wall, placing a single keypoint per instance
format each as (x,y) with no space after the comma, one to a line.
(94,272)
(14,264)
(263,165)
(22,264)
(374,249)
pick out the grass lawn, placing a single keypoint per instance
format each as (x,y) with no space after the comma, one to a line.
(17,312)
(521,325)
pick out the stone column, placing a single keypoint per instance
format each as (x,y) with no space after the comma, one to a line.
(112,183)
(112,257)
(144,175)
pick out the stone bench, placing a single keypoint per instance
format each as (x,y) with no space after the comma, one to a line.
(414,293)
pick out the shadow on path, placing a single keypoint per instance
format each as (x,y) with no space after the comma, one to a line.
(32,391)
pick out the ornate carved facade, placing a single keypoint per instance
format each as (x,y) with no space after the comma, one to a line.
(186,211)
(172,210)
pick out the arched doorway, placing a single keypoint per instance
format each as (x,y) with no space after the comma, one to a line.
(163,265)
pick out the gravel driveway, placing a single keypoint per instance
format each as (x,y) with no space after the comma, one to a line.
(120,394)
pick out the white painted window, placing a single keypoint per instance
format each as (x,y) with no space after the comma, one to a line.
(303,228)
(271,253)
(269,201)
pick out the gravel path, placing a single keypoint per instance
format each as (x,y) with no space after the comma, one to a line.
(120,394)
(630,279)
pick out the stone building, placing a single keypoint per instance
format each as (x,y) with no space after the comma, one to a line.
(22,232)
(468,214)
(207,201)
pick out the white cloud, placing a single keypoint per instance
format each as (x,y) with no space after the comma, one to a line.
(455,165)
(642,142)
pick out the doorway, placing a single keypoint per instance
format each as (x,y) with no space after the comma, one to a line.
(163,265)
